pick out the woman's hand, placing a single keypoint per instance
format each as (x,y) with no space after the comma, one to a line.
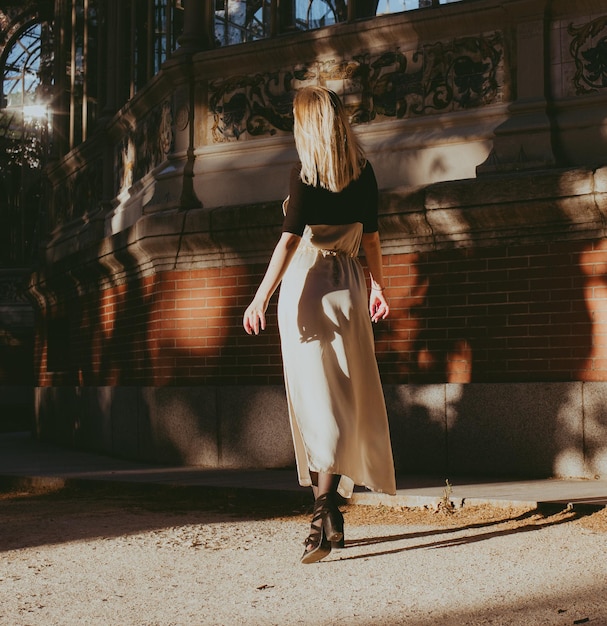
(378,305)
(254,318)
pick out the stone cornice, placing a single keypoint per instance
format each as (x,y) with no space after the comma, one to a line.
(529,207)
(543,206)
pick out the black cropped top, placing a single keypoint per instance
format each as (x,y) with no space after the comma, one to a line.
(316,205)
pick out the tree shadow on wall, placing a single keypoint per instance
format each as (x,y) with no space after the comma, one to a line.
(151,374)
(95,340)
(512,329)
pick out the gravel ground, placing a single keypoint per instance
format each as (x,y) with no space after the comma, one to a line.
(163,558)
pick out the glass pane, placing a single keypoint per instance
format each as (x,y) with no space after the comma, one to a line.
(237,21)
(21,74)
(160,34)
(397,6)
(23,141)
(230,18)
(318,13)
(258,24)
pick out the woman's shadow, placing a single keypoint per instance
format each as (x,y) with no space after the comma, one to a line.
(535,519)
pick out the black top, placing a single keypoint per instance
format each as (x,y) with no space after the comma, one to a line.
(316,205)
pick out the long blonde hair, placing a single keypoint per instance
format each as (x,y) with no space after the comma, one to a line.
(328,149)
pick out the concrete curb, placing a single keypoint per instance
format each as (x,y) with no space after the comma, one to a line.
(295,497)
(433,502)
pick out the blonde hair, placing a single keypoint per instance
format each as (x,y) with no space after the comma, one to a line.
(328,149)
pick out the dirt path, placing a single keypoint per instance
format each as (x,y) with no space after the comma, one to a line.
(162,559)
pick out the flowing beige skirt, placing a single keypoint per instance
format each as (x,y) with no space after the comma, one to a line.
(334,393)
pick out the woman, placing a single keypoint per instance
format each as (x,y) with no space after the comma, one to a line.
(336,404)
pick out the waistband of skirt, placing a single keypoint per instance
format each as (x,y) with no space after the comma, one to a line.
(327,252)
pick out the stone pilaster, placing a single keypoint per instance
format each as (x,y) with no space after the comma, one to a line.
(524,140)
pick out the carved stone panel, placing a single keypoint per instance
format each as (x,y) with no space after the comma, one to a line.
(436,77)
(588,48)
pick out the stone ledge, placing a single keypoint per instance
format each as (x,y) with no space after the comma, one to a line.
(543,206)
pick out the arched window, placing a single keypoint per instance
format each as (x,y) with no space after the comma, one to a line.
(25,83)
(24,97)
(21,70)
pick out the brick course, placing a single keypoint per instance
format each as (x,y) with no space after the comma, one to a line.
(495,314)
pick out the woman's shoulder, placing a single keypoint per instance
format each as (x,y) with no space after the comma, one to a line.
(295,177)
(367,168)
(367,175)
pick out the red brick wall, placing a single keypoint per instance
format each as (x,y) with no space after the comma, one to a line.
(513,313)
(516,313)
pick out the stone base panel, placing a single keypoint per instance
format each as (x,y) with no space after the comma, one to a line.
(503,430)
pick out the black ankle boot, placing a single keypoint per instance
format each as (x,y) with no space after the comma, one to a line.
(334,523)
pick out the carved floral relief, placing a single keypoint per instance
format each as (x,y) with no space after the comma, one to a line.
(444,76)
(588,48)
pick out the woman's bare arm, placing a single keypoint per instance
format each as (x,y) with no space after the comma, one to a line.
(378,305)
(254,318)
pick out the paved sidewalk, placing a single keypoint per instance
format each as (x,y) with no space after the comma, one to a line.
(27,462)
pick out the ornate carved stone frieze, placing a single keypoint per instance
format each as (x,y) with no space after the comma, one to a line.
(588,48)
(393,84)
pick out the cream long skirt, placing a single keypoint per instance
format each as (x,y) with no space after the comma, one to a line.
(336,404)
